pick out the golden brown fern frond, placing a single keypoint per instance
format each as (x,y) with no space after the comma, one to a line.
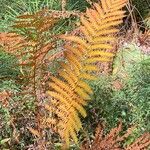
(70,91)
(114,140)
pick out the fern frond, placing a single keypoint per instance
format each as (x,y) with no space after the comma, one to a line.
(72,58)
(60,83)
(85,86)
(81,93)
(74,39)
(71,73)
(103,39)
(87,76)
(39,21)
(90,68)
(74,50)
(67,77)
(70,90)
(96,59)
(87,25)
(114,140)
(32,48)
(101,53)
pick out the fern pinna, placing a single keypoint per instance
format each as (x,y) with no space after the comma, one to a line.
(70,91)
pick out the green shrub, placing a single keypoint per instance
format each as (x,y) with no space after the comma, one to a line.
(139,94)
(107,105)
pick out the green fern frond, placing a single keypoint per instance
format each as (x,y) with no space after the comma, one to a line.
(70,90)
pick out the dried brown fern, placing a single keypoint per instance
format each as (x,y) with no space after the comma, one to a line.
(114,140)
(4,98)
(32,48)
(9,41)
(142,143)
(37,26)
(69,91)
